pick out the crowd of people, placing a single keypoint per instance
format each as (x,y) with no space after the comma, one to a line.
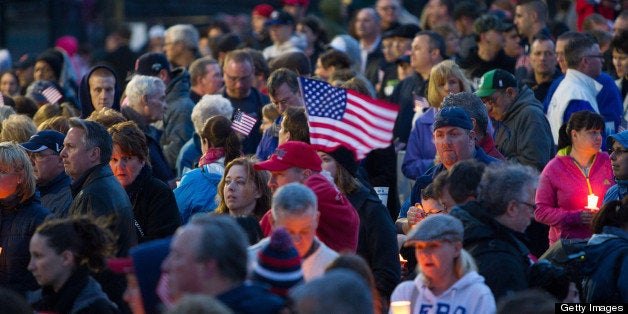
(182,178)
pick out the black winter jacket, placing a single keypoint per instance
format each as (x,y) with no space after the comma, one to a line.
(500,253)
(377,240)
(99,194)
(154,207)
(18,222)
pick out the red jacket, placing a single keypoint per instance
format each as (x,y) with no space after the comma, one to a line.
(339,222)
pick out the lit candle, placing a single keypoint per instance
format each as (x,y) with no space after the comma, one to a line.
(592,202)
(402,260)
(400,307)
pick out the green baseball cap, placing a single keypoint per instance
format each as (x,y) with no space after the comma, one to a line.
(493,80)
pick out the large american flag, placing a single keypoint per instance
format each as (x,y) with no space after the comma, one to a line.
(338,116)
(243,123)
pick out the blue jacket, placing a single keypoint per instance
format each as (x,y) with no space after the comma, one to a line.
(606,267)
(56,195)
(197,192)
(189,154)
(617,191)
(269,141)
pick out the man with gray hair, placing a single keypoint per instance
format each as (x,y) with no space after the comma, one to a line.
(338,291)
(208,256)
(176,123)
(207,107)
(369,33)
(495,223)
(295,209)
(146,104)
(86,152)
(181,45)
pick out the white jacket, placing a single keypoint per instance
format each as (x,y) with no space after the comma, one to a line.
(468,295)
(575,86)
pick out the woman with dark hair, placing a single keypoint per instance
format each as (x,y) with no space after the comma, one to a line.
(578,173)
(197,191)
(63,251)
(377,240)
(606,263)
(243,193)
(315,35)
(154,207)
(21,213)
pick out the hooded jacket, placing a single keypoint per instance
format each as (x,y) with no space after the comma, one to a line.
(87,107)
(524,135)
(467,295)
(500,253)
(606,267)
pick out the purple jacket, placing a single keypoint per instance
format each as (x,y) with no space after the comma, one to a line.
(420,150)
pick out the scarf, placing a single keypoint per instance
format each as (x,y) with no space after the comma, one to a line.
(211,155)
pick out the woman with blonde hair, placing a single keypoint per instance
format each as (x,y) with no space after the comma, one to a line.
(445,78)
(21,213)
(447,273)
(17,128)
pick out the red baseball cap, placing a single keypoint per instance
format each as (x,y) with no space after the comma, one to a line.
(295,2)
(264,10)
(291,154)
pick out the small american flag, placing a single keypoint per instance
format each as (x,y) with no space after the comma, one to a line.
(52,95)
(420,103)
(338,116)
(243,122)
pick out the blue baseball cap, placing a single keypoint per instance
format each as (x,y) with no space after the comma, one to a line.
(43,140)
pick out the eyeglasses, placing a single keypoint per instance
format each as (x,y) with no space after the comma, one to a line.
(40,156)
(617,151)
(238,79)
(533,206)
(492,100)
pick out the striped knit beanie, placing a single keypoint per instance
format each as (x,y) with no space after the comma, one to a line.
(278,264)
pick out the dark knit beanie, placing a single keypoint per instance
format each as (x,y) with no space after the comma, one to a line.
(54,58)
(346,159)
(278,264)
